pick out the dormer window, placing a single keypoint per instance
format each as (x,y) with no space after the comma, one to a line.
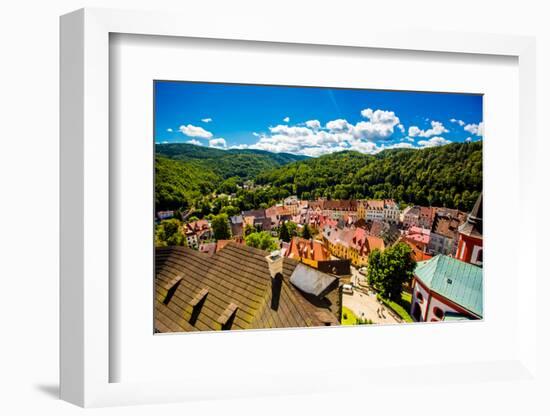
(196,303)
(228,316)
(171,287)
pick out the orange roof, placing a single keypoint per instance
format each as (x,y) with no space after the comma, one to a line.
(375,204)
(356,238)
(308,249)
(375,242)
(417,254)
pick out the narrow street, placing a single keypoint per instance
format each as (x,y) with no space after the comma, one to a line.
(364,304)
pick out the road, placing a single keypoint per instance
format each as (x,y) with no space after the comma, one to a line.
(366,306)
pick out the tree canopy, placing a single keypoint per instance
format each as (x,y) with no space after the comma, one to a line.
(306,232)
(388,270)
(211,181)
(220,227)
(449,176)
(284,234)
(262,240)
(168,233)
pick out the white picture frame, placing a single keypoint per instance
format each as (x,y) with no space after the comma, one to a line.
(85,211)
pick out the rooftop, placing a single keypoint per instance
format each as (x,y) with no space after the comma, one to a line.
(473,226)
(308,249)
(460,282)
(233,288)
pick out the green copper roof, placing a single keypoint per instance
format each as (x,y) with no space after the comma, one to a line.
(451,316)
(460,282)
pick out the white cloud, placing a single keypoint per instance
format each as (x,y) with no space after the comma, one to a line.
(401,146)
(240,146)
(290,131)
(437,129)
(468,140)
(476,129)
(313,124)
(372,131)
(301,140)
(194,131)
(414,131)
(169,130)
(286,119)
(206,120)
(433,142)
(195,142)
(219,143)
(459,122)
(380,116)
(364,147)
(379,127)
(368,136)
(339,125)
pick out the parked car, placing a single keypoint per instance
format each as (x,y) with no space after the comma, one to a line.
(348,289)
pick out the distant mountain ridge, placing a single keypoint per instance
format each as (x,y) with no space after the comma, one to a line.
(449,175)
(184,172)
(186,151)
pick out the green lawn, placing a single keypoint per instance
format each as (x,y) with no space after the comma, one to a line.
(348,317)
(402,308)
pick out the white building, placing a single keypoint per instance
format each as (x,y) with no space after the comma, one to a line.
(391,211)
(374,210)
(444,288)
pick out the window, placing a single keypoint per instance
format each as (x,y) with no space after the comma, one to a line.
(479,258)
(438,312)
(419,297)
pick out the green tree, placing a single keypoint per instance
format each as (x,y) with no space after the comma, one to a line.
(284,234)
(229,186)
(262,240)
(306,232)
(220,227)
(230,210)
(168,233)
(292,228)
(387,271)
(249,229)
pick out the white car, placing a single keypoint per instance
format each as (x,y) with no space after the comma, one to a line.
(348,289)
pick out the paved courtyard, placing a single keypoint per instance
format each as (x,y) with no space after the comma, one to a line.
(366,306)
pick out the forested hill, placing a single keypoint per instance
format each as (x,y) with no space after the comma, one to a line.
(448,175)
(185,172)
(244,163)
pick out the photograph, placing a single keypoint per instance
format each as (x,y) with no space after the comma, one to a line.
(282,206)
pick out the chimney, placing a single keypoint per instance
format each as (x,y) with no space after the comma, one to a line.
(275,263)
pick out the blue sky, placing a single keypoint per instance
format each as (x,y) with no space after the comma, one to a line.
(311,121)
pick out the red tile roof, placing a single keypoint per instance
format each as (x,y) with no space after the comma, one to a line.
(375,204)
(418,235)
(308,249)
